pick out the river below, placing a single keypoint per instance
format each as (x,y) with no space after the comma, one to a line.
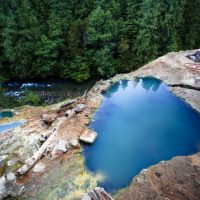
(51,91)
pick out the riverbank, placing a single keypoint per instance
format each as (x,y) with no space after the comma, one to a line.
(41,92)
(22,141)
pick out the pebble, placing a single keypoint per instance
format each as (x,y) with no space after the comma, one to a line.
(4,157)
(11,162)
(10,176)
(74,143)
(21,190)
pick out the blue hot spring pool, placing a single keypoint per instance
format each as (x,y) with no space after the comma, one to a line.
(5,114)
(10,126)
(139,123)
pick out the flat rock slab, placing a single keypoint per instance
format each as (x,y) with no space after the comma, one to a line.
(88,137)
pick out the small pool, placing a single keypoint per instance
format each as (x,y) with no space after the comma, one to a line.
(139,123)
(10,126)
(4,114)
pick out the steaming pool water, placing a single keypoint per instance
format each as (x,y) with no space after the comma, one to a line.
(139,123)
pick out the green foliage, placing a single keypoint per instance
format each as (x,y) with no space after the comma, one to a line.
(78,39)
(3,100)
(30,98)
(100,41)
(191,29)
(77,70)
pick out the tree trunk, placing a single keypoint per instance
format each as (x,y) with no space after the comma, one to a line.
(30,162)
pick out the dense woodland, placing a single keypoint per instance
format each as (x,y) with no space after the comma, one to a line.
(77,39)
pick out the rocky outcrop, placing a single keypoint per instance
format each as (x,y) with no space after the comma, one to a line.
(177,179)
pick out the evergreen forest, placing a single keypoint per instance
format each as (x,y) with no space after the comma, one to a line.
(79,39)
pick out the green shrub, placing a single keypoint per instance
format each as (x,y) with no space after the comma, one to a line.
(30,98)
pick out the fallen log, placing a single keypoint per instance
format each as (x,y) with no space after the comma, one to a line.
(97,194)
(30,162)
(69,102)
(73,101)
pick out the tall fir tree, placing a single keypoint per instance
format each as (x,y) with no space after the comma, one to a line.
(100,41)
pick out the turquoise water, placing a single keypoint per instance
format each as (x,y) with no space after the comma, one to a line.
(4,114)
(139,123)
(10,126)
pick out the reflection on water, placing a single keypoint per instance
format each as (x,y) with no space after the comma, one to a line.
(139,124)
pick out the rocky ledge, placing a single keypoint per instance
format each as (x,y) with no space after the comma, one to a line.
(45,151)
(177,179)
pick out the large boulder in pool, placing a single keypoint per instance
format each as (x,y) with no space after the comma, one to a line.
(88,137)
(48,119)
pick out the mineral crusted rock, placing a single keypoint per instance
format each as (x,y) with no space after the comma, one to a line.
(74,143)
(88,137)
(67,113)
(12,162)
(3,157)
(60,147)
(79,108)
(48,119)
